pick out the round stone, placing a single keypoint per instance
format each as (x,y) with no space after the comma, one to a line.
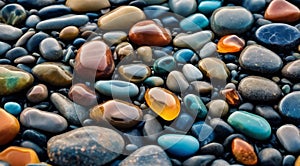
(82,94)
(69,33)
(114,37)
(282,11)
(184,55)
(270,156)
(208,7)
(154,81)
(195,22)
(37,93)
(191,73)
(243,152)
(289,107)
(19,156)
(4,47)
(288,136)
(13,108)
(195,105)
(87,5)
(13,14)
(32,21)
(164,65)
(9,33)
(230,44)
(217,108)
(51,49)
(183,7)
(214,68)
(292,70)
(116,88)
(33,43)
(10,127)
(176,82)
(135,73)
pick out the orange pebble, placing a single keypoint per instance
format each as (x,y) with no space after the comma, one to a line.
(232,96)
(163,102)
(243,152)
(282,11)
(9,127)
(19,156)
(230,44)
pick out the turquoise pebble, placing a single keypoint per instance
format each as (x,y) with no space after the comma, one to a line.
(164,64)
(154,81)
(194,104)
(194,22)
(208,7)
(250,124)
(183,55)
(183,7)
(116,88)
(179,145)
(13,108)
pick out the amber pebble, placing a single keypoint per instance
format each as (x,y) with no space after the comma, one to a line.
(232,96)
(230,44)
(94,59)
(163,102)
(118,113)
(69,33)
(82,94)
(9,127)
(282,11)
(37,93)
(243,152)
(149,33)
(19,156)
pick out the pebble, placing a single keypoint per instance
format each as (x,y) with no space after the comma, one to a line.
(13,108)
(199,160)
(82,94)
(292,70)
(50,49)
(148,155)
(184,55)
(214,68)
(243,152)
(9,33)
(202,87)
(26,59)
(179,145)
(184,122)
(97,62)
(254,6)
(121,18)
(114,37)
(286,37)
(32,21)
(221,128)
(33,43)
(16,52)
(230,44)
(13,14)
(269,114)
(4,47)
(81,146)
(116,88)
(289,107)
(10,127)
(256,58)
(164,65)
(231,20)
(37,93)
(176,82)
(19,156)
(289,160)
(270,156)
(42,120)
(53,73)
(183,7)
(155,11)
(203,132)
(124,50)
(87,5)
(59,23)
(191,73)
(149,33)
(13,80)
(282,11)
(154,81)
(208,7)
(35,4)
(163,102)
(135,73)
(152,128)
(220,162)
(213,148)
(288,136)
(194,104)
(217,108)
(69,33)
(259,89)
(232,96)
(118,113)
(53,11)
(35,136)
(194,22)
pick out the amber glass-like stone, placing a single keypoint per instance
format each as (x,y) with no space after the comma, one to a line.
(163,102)
(232,96)
(9,127)
(243,152)
(230,44)
(19,156)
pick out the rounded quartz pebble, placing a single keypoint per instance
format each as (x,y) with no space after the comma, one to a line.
(243,152)
(37,93)
(135,73)
(149,33)
(118,113)
(194,104)
(13,14)
(191,73)
(289,137)
(9,33)
(282,11)
(195,22)
(179,145)
(87,5)
(17,156)
(292,70)
(10,127)
(69,33)
(82,94)
(183,7)
(270,156)
(230,44)
(176,82)
(84,145)
(231,20)
(116,88)
(163,102)
(51,49)
(13,108)
(289,107)
(250,124)
(164,65)
(214,68)
(287,36)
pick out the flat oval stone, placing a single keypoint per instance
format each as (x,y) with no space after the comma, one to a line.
(163,102)
(270,156)
(164,65)
(33,43)
(54,11)
(148,155)
(183,55)
(37,93)
(118,113)
(289,106)
(195,22)
(9,33)
(87,5)
(56,74)
(94,59)
(27,59)
(231,20)
(176,82)
(116,88)
(288,136)
(259,89)
(230,44)
(13,14)
(154,81)
(84,145)
(243,152)
(69,33)
(135,73)
(42,120)
(208,7)
(282,11)
(10,127)
(194,104)
(13,108)
(32,21)
(114,37)
(250,124)
(183,7)
(179,145)
(202,87)
(13,80)
(292,70)
(4,47)
(256,58)
(59,23)
(214,68)
(121,18)
(16,53)
(149,33)
(19,156)
(286,36)
(51,49)
(82,94)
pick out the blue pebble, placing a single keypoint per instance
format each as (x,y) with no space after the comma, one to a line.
(195,22)
(203,132)
(78,42)
(13,108)
(208,7)
(183,55)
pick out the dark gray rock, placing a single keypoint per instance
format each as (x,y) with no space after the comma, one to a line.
(270,157)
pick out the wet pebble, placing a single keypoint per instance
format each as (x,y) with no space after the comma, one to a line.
(13,14)
(16,53)
(282,11)
(26,59)
(254,6)
(32,21)
(213,148)
(13,108)
(204,132)
(35,136)
(154,81)
(220,162)
(202,87)
(69,33)
(199,160)
(176,82)
(135,73)
(270,156)
(214,68)
(217,108)
(183,55)
(243,152)
(50,49)
(37,93)
(115,37)
(164,65)
(230,44)
(10,127)
(194,104)
(4,47)
(53,11)
(292,70)
(82,94)
(19,156)
(221,128)
(33,43)
(35,4)
(288,136)
(9,33)
(269,114)
(183,7)
(208,7)
(191,73)
(88,5)
(195,22)
(289,107)
(116,88)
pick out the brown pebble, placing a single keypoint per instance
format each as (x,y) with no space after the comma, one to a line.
(282,11)
(243,152)
(9,127)
(69,33)
(37,93)
(81,94)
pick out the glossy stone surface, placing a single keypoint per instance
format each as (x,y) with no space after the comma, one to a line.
(13,108)
(270,156)
(217,108)
(243,152)
(254,6)
(135,73)
(82,94)
(232,96)
(154,81)
(13,79)
(191,73)
(202,87)
(176,82)
(183,55)
(194,104)
(87,5)
(9,33)
(37,93)
(282,11)
(230,44)
(10,127)
(288,136)
(36,4)
(116,88)
(149,33)
(208,7)
(289,107)
(13,14)
(214,68)
(115,37)
(19,156)
(118,113)
(195,22)
(51,49)
(163,102)
(62,149)
(203,132)
(69,33)
(53,11)
(183,7)
(164,65)
(292,70)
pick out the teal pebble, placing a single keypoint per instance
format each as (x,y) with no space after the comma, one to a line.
(183,7)
(286,89)
(164,65)
(13,108)
(250,124)
(117,88)
(194,104)
(154,81)
(179,145)
(208,7)
(183,55)
(195,22)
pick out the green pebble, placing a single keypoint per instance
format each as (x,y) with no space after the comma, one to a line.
(164,65)
(194,104)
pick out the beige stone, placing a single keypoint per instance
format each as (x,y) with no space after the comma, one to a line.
(87,5)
